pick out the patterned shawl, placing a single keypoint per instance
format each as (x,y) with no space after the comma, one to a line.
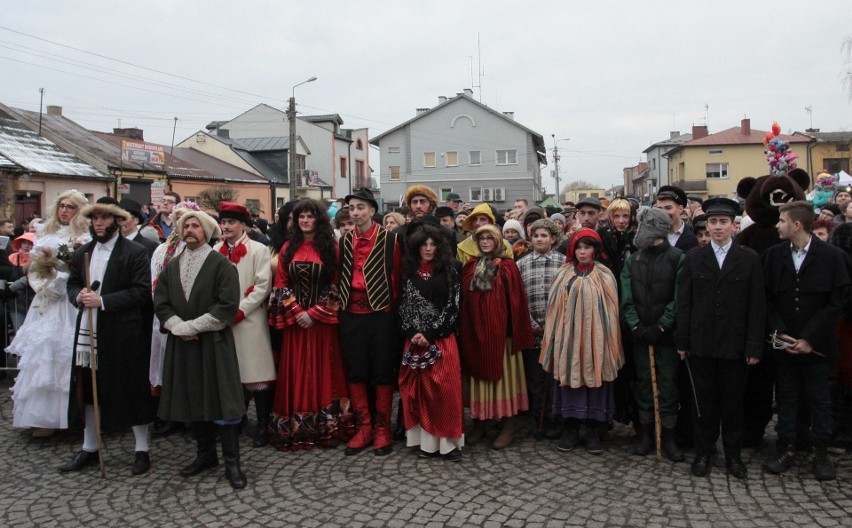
(582,336)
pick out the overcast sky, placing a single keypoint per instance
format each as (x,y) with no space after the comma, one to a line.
(613,77)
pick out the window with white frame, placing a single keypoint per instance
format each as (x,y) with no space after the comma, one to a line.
(507,157)
(394,172)
(475,194)
(393,150)
(717,170)
(475,158)
(715,151)
(428,159)
(452,159)
(444,192)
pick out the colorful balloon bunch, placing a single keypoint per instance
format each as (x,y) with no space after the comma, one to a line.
(778,154)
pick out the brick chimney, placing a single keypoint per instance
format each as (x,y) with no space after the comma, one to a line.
(745,127)
(54,110)
(422,111)
(699,131)
(132,133)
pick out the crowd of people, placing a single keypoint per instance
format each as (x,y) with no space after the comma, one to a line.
(573,318)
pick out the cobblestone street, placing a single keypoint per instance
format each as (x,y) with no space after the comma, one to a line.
(529,484)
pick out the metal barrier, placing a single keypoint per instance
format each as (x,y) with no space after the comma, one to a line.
(14,310)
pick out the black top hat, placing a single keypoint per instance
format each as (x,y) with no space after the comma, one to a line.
(363,194)
(670,192)
(720,206)
(133,207)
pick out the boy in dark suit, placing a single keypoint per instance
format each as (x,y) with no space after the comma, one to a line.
(721,314)
(805,282)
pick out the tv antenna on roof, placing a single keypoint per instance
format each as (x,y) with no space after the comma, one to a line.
(810,110)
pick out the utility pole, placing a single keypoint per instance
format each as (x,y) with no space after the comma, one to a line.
(172,151)
(556,165)
(40,105)
(556,168)
(291,116)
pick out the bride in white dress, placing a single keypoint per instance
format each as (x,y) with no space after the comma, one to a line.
(44,341)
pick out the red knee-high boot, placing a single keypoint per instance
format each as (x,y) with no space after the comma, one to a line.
(361,408)
(383,444)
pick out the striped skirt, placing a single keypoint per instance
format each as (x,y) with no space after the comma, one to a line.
(505,397)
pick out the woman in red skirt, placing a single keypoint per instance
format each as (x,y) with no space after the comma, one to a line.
(430,376)
(311,400)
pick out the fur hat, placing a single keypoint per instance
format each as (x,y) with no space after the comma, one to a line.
(514,224)
(653,224)
(105,206)
(546,223)
(532,214)
(210,226)
(421,190)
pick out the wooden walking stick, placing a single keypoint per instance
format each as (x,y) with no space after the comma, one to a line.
(93,367)
(655,391)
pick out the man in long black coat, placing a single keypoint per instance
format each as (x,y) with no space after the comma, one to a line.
(721,313)
(119,307)
(806,280)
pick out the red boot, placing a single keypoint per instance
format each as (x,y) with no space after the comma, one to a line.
(384,403)
(361,407)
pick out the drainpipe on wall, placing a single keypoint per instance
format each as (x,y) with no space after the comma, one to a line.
(811,161)
(349,161)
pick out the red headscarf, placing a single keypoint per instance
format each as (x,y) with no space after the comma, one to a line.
(582,233)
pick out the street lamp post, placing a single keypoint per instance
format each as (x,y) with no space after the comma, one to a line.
(291,115)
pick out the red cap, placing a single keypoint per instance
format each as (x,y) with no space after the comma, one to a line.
(235,211)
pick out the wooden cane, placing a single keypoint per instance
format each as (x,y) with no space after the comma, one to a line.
(654,390)
(94,369)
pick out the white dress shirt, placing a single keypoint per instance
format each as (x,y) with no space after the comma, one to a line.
(721,251)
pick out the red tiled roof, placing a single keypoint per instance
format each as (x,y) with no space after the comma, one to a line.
(734,136)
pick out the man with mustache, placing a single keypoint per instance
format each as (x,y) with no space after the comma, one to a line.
(196,299)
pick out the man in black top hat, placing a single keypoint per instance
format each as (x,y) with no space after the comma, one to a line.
(673,200)
(720,330)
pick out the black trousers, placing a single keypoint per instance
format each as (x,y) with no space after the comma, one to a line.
(370,347)
(720,388)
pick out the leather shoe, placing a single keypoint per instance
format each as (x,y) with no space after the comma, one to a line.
(142,463)
(736,468)
(453,456)
(202,462)
(80,460)
(701,465)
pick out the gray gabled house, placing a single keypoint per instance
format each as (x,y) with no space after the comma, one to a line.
(465,147)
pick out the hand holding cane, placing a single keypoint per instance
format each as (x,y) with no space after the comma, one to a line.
(93,367)
(656,394)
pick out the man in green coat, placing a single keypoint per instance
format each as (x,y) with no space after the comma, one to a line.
(196,298)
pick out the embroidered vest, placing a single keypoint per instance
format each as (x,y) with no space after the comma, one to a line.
(377,269)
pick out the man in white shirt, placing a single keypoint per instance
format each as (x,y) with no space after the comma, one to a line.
(720,331)
(119,306)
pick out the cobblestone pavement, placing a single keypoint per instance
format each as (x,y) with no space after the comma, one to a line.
(528,484)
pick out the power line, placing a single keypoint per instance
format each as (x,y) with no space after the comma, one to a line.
(135,65)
